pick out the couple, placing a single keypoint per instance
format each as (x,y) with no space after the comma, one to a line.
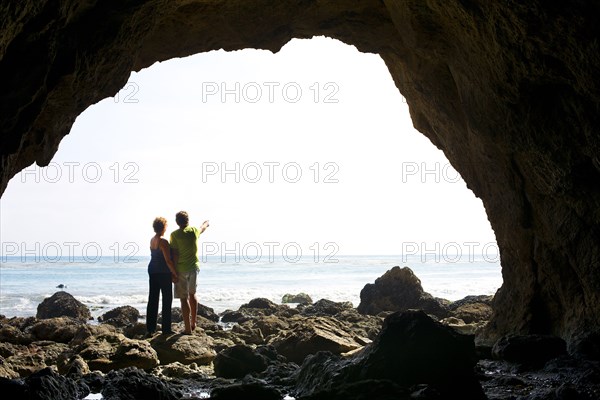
(177,263)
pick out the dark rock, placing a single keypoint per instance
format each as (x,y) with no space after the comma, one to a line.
(45,384)
(261,304)
(246,391)
(411,349)
(398,289)
(529,350)
(62,304)
(135,384)
(207,313)
(363,390)
(239,361)
(176,316)
(120,316)
(94,380)
(300,298)
(586,345)
(326,307)
(233,316)
(61,286)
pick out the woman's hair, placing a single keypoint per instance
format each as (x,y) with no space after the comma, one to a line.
(182,219)
(159,224)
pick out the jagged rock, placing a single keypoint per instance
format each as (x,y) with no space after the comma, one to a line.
(268,325)
(86,331)
(233,316)
(108,351)
(135,384)
(529,350)
(74,366)
(311,335)
(300,298)
(45,384)
(61,329)
(325,307)
(14,335)
(207,313)
(120,316)
(411,349)
(252,390)
(181,371)
(239,361)
(27,360)
(398,289)
(248,334)
(185,349)
(62,304)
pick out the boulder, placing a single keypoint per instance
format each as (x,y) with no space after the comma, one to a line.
(411,349)
(529,350)
(12,334)
(135,384)
(27,360)
(120,316)
(399,289)
(311,335)
(482,299)
(60,329)
(62,304)
(45,384)
(108,351)
(300,298)
(185,349)
(239,361)
(233,316)
(252,390)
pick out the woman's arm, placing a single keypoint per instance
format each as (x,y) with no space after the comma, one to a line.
(166,250)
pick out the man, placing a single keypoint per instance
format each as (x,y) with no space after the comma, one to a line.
(184,244)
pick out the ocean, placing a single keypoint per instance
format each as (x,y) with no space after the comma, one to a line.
(226,284)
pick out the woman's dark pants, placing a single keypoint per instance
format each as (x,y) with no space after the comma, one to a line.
(159,283)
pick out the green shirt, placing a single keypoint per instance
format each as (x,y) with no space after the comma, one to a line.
(185,241)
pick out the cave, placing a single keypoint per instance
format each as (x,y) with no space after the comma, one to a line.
(508,92)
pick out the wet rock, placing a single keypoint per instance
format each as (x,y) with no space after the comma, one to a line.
(398,289)
(60,329)
(529,350)
(363,390)
(246,391)
(325,307)
(186,349)
(207,313)
(300,298)
(120,316)
(62,304)
(110,351)
(239,361)
(135,384)
(311,335)
(45,384)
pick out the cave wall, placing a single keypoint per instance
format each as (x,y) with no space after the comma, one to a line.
(507,90)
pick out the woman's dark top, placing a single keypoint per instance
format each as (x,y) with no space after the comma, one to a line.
(157,265)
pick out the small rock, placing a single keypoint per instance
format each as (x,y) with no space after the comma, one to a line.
(120,316)
(239,361)
(325,307)
(300,298)
(207,313)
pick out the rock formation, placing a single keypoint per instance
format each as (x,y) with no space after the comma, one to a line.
(507,90)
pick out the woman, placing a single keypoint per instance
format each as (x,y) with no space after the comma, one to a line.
(162,272)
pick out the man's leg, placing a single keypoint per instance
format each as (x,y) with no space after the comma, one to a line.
(193,301)
(185,311)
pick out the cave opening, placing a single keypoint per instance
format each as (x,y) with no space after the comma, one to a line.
(306,158)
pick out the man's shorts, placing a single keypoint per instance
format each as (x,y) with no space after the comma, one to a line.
(186,284)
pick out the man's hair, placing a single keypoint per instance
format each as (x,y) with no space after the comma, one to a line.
(182,219)
(159,224)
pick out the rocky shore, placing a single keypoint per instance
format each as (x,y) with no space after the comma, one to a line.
(399,343)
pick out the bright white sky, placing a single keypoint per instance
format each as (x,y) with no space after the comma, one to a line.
(160,134)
